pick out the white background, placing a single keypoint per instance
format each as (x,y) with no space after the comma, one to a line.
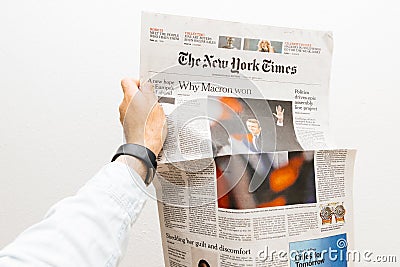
(60,67)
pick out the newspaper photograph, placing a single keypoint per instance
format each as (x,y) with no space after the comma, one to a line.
(246,176)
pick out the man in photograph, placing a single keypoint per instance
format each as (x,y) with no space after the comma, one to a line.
(255,144)
(253,139)
(229,43)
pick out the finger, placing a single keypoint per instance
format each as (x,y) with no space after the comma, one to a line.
(129,87)
(147,87)
(122,111)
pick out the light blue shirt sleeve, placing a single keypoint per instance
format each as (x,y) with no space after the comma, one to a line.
(89,229)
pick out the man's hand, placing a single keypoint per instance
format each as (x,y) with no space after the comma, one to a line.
(279,115)
(141,116)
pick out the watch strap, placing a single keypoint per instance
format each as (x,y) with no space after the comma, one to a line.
(140,152)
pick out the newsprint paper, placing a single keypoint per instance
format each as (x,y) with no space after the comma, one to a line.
(246,177)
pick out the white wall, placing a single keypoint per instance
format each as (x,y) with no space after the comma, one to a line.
(60,66)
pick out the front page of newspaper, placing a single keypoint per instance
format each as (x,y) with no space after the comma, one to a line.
(246,177)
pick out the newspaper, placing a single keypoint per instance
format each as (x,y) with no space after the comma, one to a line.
(246,177)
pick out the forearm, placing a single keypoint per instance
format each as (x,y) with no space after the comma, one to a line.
(88,229)
(135,164)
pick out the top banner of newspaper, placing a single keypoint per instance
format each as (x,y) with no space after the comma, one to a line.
(232,88)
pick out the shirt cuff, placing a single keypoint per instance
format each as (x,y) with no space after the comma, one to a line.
(123,185)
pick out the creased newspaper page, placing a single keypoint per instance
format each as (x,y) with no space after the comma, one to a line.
(233,87)
(300,214)
(246,176)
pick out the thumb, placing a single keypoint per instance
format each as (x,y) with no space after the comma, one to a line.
(129,87)
(147,87)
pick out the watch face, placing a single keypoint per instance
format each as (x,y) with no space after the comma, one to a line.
(326,213)
(340,211)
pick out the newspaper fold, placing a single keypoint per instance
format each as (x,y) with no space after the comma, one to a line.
(246,177)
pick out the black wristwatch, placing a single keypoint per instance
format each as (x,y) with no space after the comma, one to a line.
(144,154)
